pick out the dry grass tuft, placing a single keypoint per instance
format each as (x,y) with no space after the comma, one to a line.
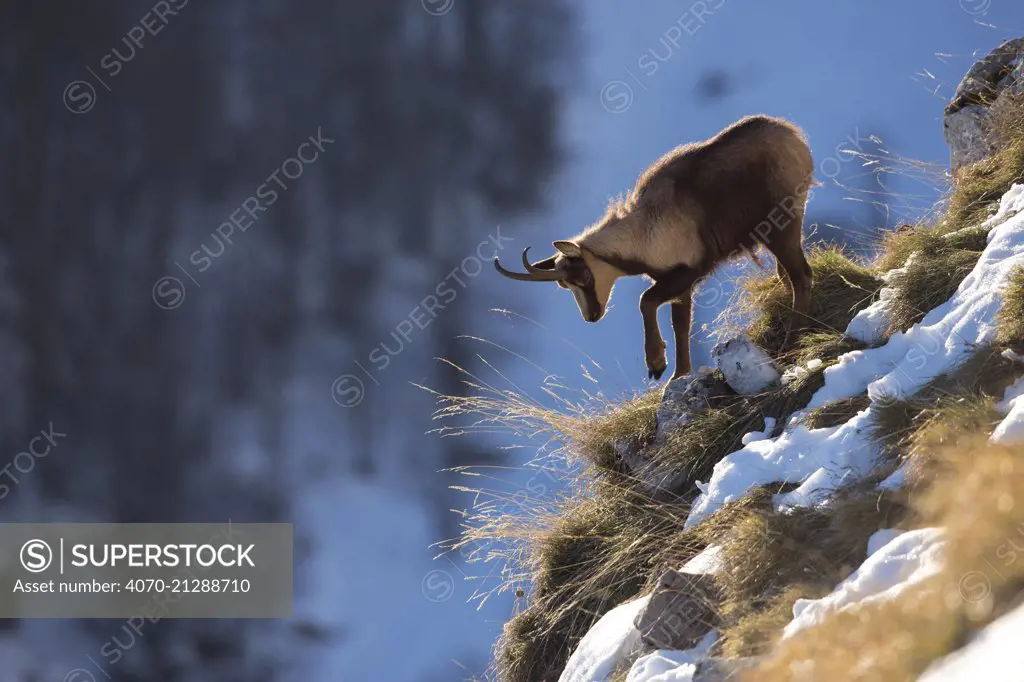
(979,500)
(824,346)
(841,288)
(690,453)
(603,547)
(587,429)
(836,412)
(774,558)
(962,401)
(931,266)
(585,551)
(1011,314)
(595,552)
(630,423)
(755,633)
(684,545)
(897,247)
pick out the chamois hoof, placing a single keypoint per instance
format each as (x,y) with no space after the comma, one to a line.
(655,359)
(657,363)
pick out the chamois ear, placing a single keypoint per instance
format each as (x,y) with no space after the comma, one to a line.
(568,249)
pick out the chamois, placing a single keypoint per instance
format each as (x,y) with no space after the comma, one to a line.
(692,210)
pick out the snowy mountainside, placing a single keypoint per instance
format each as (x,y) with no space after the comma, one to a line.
(823,459)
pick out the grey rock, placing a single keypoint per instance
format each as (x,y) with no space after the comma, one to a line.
(683,608)
(639,464)
(747,368)
(652,477)
(685,397)
(984,80)
(989,84)
(967,134)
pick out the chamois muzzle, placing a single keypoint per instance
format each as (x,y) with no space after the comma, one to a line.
(533,272)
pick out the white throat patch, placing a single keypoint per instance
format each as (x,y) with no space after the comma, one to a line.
(605,275)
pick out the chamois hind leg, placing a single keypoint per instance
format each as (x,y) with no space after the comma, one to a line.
(789,257)
(800,277)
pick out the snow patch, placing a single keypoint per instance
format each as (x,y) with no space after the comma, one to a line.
(870,325)
(895,480)
(823,459)
(904,560)
(881,538)
(793,374)
(614,638)
(707,562)
(1012,357)
(946,335)
(665,665)
(609,642)
(1010,205)
(753,436)
(1011,429)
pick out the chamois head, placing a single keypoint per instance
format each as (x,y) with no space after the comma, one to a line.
(573,268)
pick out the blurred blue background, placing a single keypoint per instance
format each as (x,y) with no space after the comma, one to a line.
(212,353)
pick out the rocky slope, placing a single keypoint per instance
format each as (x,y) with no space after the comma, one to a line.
(846,508)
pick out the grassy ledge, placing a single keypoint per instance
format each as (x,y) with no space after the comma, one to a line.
(606,538)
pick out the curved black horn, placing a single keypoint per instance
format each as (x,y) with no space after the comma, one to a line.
(533,274)
(542,267)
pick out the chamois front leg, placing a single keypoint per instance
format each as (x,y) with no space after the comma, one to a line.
(654,345)
(673,286)
(681,319)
